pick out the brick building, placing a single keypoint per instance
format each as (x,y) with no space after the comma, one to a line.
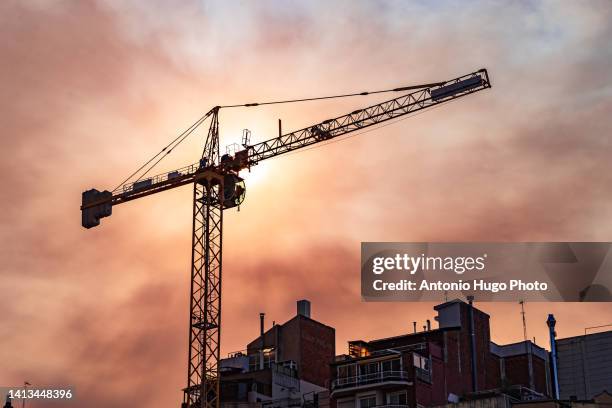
(283,366)
(435,366)
(521,364)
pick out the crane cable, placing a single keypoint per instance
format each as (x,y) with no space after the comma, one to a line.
(167,149)
(365,93)
(183,135)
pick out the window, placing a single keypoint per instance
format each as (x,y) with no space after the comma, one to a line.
(397,398)
(253,362)
(422,367)
(358,349)
(391,365)
(421,362)
(269,356)
(347,371)
(346,404)
(372,368)
(367,402)
(368,368)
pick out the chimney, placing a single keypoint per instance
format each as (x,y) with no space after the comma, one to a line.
(263,340)
(303,308)
(551,322)
(414,324)
(261,323)
(428,325)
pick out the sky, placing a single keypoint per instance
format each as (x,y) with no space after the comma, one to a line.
(91,89)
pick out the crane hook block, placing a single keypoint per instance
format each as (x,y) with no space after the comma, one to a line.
(96,205)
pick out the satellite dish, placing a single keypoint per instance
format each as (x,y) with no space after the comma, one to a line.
(452,398)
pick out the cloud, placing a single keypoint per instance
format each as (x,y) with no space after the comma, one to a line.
(91,90)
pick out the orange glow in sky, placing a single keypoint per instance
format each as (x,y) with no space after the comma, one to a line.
(90,90)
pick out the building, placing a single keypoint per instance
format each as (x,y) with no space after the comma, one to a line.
(454,365)
(522,364)
(585,365)
(435,366)
(285,366)
(603,400)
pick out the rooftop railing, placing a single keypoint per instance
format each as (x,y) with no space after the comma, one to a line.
(392,406)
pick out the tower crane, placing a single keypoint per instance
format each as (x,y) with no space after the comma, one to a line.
(217,186)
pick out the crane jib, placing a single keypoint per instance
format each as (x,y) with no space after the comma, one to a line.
(372,115)
(98,204)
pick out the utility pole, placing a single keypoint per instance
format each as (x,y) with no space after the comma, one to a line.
(522,303)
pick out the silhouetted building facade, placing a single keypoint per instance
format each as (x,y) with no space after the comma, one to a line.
(521,364)
(435,366)
(501,400)
(455,365)
(283,367)
(585,365)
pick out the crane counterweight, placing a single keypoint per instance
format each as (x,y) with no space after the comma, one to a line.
(101,206)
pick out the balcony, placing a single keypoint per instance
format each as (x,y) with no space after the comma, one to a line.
(369,379)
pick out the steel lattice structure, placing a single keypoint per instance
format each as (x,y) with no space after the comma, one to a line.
(217,186)
(205,299)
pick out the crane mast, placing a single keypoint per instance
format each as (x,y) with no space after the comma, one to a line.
(217,186)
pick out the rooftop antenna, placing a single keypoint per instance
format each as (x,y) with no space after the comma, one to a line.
(522,303)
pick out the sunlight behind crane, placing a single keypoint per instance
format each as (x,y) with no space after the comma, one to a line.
(256,176)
